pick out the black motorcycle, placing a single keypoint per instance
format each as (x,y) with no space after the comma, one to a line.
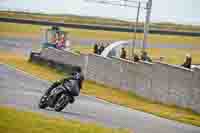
(60,96)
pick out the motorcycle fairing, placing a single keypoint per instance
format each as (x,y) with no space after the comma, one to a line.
(54,96)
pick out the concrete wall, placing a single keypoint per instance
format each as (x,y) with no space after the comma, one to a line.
(172,85)
(64,57)
(103,70)
(158,81)
(195,90)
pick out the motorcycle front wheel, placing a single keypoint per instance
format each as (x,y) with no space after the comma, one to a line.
(61,103)
(43,102)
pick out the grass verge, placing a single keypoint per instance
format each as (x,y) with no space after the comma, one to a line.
(13,121)
(113,95)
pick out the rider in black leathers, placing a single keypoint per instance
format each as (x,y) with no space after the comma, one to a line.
(76,75)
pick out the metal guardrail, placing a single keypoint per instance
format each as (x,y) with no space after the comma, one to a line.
(97,27)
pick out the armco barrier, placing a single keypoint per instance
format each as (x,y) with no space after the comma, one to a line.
(159,82)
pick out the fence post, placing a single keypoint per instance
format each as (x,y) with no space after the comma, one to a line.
(86,66)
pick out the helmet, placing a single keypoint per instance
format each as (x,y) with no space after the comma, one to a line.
(76,72)
(188,55)
(56,28)
(76,69)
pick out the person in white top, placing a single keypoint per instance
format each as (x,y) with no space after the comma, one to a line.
(67,44)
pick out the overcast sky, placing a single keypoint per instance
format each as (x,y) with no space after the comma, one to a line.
(179,11)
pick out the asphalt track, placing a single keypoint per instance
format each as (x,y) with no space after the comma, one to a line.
(25,45)
(23,91)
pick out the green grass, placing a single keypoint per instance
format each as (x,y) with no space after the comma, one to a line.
(13,121)
(114,95)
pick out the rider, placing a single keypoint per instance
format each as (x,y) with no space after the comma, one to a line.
(75,75)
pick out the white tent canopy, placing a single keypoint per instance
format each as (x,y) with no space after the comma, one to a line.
(114,49)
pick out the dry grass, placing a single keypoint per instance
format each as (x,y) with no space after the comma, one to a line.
(11,29)
(13,121)
(171,55)
(21,62)
(110,94)
(175,56)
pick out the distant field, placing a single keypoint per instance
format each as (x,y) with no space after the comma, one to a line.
(65,18)
(11,29)
(96,20)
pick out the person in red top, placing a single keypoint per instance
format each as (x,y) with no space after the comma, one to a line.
(61,42)
(53,40)
(62,39)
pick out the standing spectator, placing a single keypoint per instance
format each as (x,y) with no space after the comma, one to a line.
(107,44)
(123,53)
(101,49)
(67,45)
(95,48)
(53,39)
(136,58)
(145,57)
(57,39)
(188,61)
(61,42)
(98,48)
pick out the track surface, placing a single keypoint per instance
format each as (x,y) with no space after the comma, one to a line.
(23,91)
(25,45)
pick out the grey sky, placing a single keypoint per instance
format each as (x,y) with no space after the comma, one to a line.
(179,11)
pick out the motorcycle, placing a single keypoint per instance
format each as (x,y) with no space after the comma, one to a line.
(60,96)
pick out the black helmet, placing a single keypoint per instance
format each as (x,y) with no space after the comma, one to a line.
(56,28)
(77,69)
